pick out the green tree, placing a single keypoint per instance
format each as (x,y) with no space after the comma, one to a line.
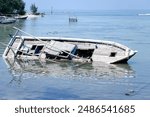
(12,6)
(34,9)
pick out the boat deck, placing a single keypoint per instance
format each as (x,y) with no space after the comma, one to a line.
(67,48)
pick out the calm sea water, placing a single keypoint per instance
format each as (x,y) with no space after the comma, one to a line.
(70,80)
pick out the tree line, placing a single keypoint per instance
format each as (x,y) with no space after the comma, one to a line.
(12,7)
(15,7)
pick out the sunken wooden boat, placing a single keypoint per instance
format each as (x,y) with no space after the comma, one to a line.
(59,48)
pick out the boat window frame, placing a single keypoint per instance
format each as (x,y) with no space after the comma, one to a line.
(113,54)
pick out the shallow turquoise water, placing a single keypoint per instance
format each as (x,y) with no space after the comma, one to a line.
(69,80)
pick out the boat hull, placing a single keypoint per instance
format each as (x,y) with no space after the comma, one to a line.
(60,48)
(79,49)
(6,20)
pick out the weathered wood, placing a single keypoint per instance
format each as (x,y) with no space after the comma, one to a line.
(67,48)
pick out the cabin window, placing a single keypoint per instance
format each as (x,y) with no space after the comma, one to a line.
(23,50)
(84,53)
(38,49)
(49,56)
(33,47)
(113,54)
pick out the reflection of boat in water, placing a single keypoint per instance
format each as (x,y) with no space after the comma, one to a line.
(68,70)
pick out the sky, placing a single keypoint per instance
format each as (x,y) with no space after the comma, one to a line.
(89,4)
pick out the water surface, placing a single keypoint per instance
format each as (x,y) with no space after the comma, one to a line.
(71,80)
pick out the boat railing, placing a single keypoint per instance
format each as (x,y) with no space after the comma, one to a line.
(48,46)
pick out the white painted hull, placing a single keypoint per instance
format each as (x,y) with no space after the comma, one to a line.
(58,48)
